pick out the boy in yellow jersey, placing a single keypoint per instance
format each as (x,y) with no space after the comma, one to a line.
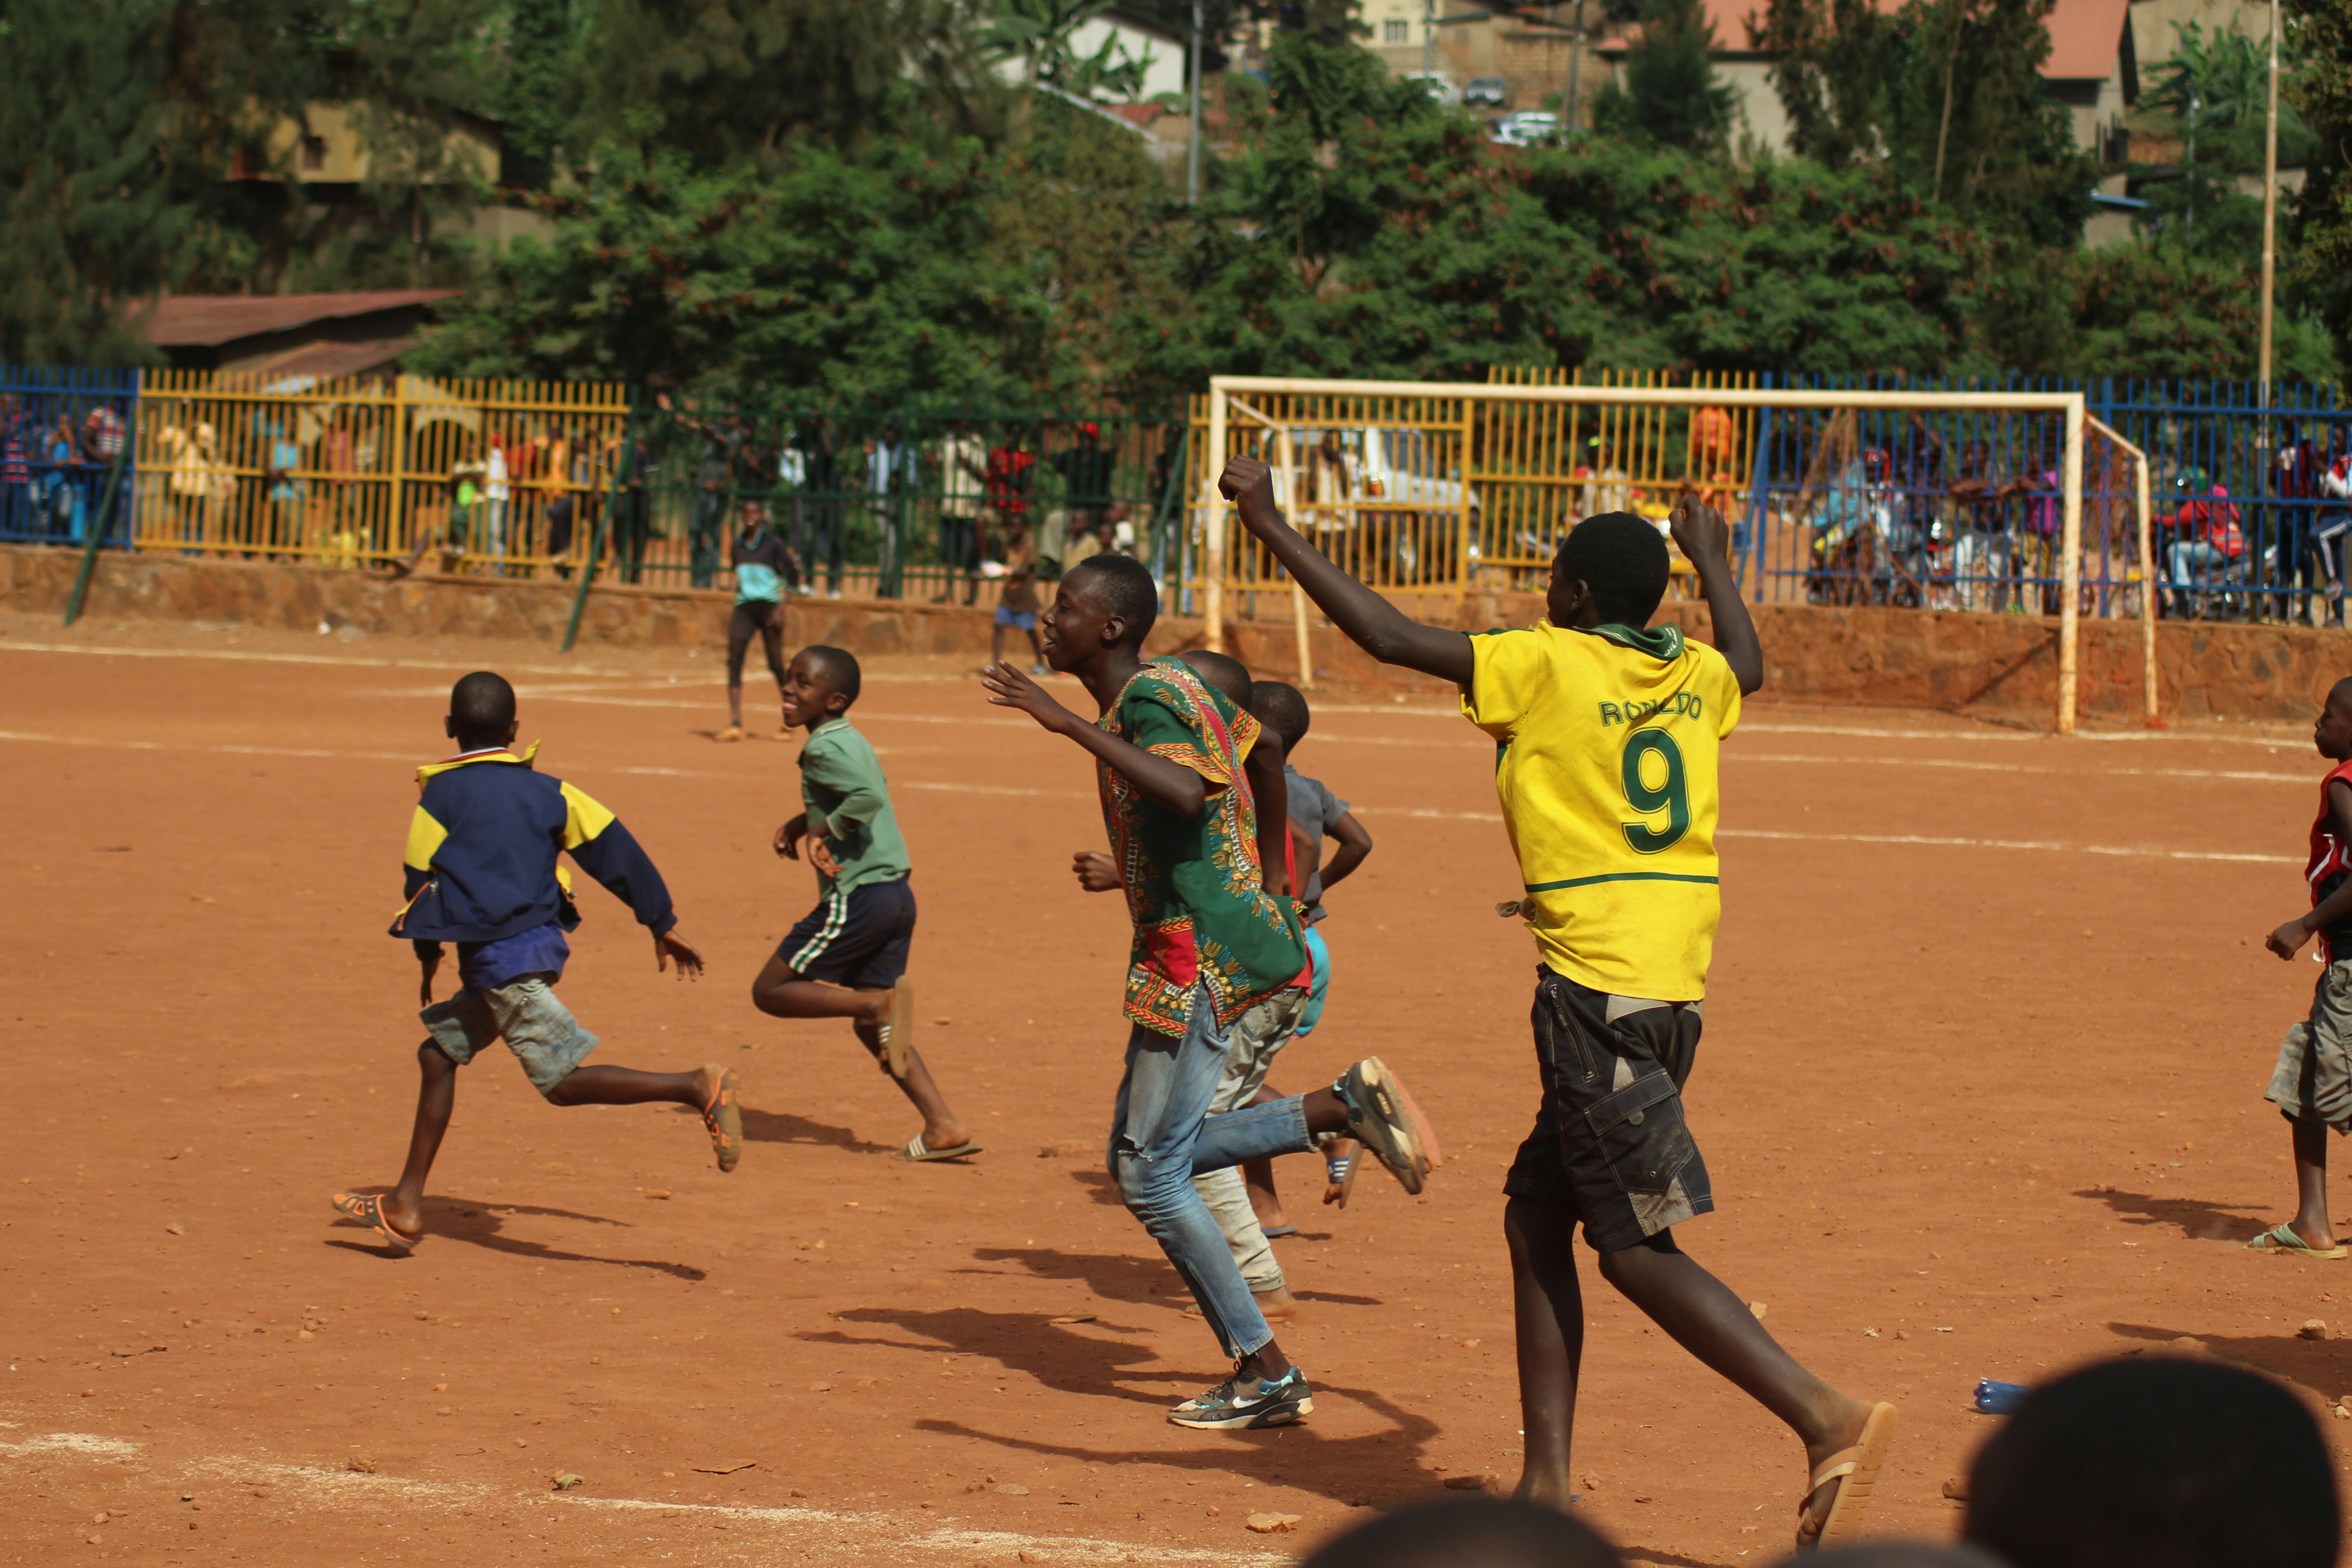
(1607,737)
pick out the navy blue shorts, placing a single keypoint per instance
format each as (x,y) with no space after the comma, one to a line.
(859,937)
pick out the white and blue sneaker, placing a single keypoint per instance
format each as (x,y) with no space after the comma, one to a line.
(1245,1401)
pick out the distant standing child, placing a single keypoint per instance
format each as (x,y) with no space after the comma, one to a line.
(1316,814)
(847,958)
(764,564)
(1016,608)
(2312,1086)
(1183,778)
(1608,731)
(482,872)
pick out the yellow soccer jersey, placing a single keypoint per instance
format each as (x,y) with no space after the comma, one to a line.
(1607,743)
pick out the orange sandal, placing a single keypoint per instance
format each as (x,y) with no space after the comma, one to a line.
(1855,1470)
(367,1209)
(724,1120)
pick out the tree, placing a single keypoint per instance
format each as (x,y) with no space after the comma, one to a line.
(1835,62)
(120,120)
(1671,95)
(726,81)
(2209,99)
(2321,90)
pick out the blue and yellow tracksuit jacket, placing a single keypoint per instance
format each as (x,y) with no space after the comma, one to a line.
(482,845)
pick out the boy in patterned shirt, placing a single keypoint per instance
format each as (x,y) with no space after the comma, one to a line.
(1607,736)
(1191,793)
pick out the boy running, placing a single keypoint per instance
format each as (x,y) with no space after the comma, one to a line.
(1316,814)
(764,568)
(1607,777)
(482,872)
(2312,1084)
(1212,937)
(847,958)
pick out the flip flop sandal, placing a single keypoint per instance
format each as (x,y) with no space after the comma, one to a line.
(368,1210)
(918,1153)
(723,1117)
(1277,1232)
(1855,1470)
(898,1029)
(2281,1238)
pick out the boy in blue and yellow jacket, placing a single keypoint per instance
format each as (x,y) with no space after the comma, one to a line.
(482,872)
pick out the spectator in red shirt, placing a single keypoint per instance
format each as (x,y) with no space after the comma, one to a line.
(2205,537)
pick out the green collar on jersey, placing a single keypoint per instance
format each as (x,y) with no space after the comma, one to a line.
(1663,642)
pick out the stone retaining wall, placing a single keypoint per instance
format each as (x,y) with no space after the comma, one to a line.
(1945,660)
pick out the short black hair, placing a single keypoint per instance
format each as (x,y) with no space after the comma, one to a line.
(840,667)
(2161,1463)
(1620,557)
(1281,708)
(1222,670)
(1127,590)
(1492,1532)
(481,707)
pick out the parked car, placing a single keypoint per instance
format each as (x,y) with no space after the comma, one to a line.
(1523,128)
(1487,92)
(1439,86)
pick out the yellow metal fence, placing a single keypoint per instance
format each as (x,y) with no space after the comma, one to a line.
(371,471)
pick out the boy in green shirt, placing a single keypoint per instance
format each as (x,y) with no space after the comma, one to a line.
(847,958)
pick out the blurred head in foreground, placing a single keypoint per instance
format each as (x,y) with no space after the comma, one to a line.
(1467,1532)
(2156,1463)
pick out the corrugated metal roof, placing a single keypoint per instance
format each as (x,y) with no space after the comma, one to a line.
(206,321)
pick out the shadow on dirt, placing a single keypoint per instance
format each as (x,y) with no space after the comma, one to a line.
(783,1127)
(2194,1218)
(1380,1469)
(479,1223)
(1071,1358)
(2323,1366)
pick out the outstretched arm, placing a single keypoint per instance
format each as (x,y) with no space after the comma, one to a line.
(1705,538)
(1371,621)
(1159,780)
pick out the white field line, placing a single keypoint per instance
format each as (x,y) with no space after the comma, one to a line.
(347,661)
(1421,813)
(910,1536)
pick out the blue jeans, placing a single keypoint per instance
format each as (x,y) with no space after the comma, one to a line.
(1161,1132)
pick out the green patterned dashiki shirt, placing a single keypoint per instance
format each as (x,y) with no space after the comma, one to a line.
(1194,888)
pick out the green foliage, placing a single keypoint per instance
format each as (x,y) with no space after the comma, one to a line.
(1671,95)
(1836,63)
(1042,34)
(118,120)
(2211,96)
(2321,90)
(859,275)
(726,81)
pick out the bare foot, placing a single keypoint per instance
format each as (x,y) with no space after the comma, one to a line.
(1277,1305)
(1549,1489)
(1844,1432)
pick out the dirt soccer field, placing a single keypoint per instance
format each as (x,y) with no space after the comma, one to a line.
(1981,1094)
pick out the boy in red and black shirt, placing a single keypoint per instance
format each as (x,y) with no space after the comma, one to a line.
(2312,1086)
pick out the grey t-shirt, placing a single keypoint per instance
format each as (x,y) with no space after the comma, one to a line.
(1314,809)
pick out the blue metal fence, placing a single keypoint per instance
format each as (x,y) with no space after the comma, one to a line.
(2250,500)
(60,430)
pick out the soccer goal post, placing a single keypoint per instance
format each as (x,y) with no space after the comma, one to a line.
(1924,499)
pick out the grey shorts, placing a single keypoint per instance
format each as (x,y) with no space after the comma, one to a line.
(2314,1079)
(537,1028)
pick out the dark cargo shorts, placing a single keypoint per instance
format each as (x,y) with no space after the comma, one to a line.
(1609,1143)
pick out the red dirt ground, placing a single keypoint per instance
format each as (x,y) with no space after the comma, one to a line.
(1980,1095)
